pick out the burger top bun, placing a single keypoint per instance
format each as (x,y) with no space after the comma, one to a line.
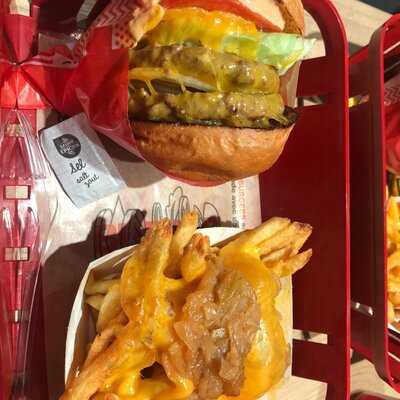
(287,15)
(275,15)
(209,154)
(293,14)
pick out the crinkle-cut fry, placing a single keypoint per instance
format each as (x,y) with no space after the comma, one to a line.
(293,235)
(182,236)
(194,260)
(291,265)
(117,354)
(98,287)
(110,308)
(394,260)
(95,301)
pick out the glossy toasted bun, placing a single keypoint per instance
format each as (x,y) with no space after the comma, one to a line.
(213,154)
(269,15)
(293,13)
(287,15)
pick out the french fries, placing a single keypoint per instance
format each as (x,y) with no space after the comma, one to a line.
(136,313)
(110,307)
(393,261)
(279,242)
(95,301)
(181,238)
(193,262)
(95,287)
(289,266)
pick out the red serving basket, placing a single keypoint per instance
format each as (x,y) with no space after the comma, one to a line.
(370,334)
(310,183)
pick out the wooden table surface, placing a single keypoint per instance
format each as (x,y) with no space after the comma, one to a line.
(361,21)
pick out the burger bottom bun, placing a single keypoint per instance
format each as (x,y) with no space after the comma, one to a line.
(212,154)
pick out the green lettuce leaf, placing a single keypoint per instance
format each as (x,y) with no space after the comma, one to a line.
(281,50)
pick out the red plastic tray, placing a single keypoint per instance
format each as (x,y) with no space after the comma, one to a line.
(310,183)
(370,335)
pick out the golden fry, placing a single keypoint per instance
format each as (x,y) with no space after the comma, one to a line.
(95,301)
(98,287)
(393,286)
(291,265)
(110,308)
(394,297)
(144,287)
(181,238)
(394,260)
(393,211)
(265,231)
(293,235)
(276,256)
(304,233)
(124,350)
(193,262)
(100,343)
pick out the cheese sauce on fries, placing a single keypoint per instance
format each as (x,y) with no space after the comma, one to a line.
(186,320)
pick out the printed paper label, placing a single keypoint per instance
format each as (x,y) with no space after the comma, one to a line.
(80,162)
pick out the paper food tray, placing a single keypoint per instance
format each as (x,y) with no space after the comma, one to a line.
(80,332)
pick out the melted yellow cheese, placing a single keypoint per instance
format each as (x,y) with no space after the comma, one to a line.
(144,300)
(268,359)
(214,29)
(181,391)
(148,305)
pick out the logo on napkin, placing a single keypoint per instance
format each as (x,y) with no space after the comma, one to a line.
(80,162)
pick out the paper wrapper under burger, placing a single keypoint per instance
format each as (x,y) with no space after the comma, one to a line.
(93,77)
(81,329)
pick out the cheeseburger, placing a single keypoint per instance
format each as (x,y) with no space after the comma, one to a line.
(205,84)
